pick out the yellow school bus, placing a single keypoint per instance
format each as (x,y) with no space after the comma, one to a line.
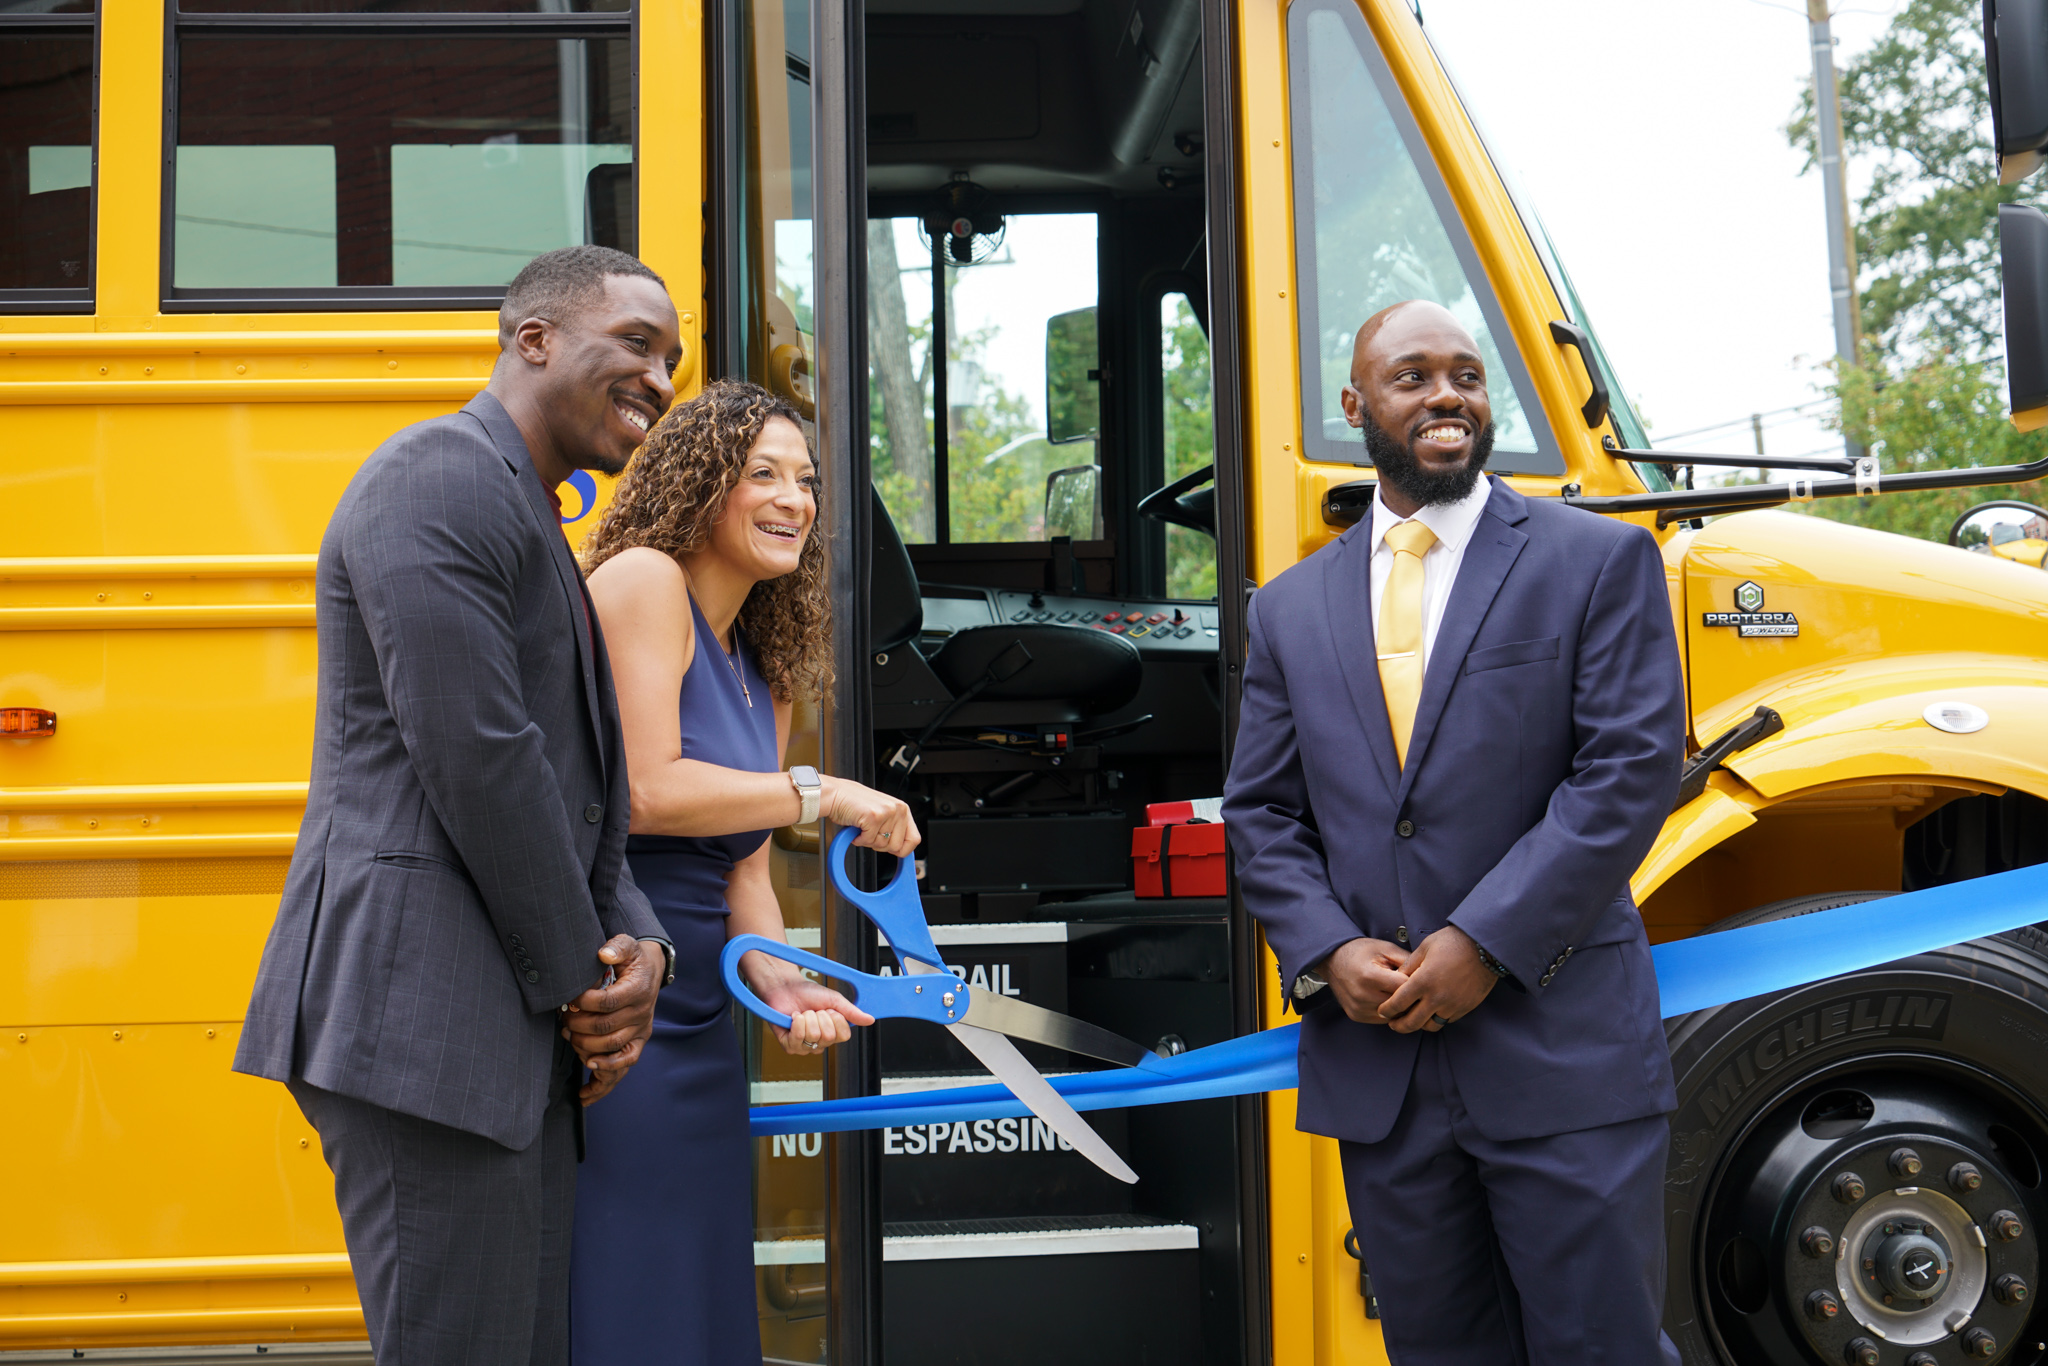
(242,241)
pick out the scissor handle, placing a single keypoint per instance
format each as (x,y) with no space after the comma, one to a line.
(921,998)
(897,910)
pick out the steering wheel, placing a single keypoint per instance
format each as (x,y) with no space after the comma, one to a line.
(1174,503)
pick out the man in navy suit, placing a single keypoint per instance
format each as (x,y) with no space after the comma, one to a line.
(1463,725)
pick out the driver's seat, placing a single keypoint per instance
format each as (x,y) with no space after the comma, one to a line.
(1079,671)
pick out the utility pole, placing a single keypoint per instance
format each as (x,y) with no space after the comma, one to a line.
(1827,109)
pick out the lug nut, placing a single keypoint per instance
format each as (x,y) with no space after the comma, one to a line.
(1922,1359)
(1965,1177)
(2005,1225)
(1905,1163)
(1822,1307)
(1860,1352)
(2010,1289)
(1817,1242)
(1848,1189)
(1980,1344)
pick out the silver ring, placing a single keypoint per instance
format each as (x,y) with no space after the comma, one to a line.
(813,1046)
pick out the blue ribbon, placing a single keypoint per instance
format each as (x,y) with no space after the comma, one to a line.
(1692,974)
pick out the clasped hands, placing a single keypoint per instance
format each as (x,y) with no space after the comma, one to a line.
(609,1023)
(1437,982)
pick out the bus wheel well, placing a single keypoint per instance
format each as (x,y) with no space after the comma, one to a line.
(1895,835)
(1974,836)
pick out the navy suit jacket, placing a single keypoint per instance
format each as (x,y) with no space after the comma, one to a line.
(1545,756)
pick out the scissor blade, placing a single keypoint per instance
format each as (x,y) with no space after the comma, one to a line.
(1022,1020)
(1001,1057)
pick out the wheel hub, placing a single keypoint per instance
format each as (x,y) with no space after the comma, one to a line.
(1879,1224)
(1911,1264)
(1907,1263)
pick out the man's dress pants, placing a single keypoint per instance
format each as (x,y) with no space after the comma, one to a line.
(460,1246)
(1538,1252)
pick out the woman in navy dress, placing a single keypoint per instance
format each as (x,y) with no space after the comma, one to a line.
(711,590)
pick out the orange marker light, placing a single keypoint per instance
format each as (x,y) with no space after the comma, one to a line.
(27,723)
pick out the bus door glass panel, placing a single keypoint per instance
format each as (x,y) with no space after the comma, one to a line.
(991,463)
(778,337)
(46,154)
(1374,226)
(371,158)
(777,347)
(1187,420)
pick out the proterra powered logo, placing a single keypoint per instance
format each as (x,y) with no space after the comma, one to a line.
(1749,618)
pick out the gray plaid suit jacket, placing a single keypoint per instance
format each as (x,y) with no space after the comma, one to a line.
(462,857)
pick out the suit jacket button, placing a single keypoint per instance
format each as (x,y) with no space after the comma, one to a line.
(516,941)
(1405,829)
(532,976)
(593,813)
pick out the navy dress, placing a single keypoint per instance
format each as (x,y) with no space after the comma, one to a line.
(662,1266)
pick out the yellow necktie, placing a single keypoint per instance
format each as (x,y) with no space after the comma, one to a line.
(1400,629)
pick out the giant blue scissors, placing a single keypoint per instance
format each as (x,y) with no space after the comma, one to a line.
(983,1021)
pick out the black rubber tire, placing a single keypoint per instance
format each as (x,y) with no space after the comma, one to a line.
(1992,1034)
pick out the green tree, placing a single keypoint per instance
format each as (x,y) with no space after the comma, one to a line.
(995,483)
(1190,441)
(1928,392)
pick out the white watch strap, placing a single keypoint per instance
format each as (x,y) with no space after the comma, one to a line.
(807,798)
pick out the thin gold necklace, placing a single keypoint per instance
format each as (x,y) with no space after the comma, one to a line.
(736,668)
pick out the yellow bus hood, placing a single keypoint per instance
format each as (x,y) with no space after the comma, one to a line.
(1810,615)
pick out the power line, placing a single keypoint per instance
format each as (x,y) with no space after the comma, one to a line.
(1744,420)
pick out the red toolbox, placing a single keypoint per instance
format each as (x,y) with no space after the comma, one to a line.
(1179,859)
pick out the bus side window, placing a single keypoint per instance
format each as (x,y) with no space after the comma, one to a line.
(375,163)
(46,158)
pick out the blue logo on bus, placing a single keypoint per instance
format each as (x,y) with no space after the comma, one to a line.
(586,491)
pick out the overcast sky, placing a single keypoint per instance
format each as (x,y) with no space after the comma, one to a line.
(1649,135)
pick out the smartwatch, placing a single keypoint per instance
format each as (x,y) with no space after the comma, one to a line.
(1308,984)
(808,787)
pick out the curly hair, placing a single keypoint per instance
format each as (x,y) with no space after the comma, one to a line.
(675,491)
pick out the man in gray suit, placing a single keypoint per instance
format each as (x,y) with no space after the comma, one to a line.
(459,936)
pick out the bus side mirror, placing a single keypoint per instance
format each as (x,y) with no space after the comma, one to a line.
(1073,503)
(1073,378)
(2023,250)
(2016,68)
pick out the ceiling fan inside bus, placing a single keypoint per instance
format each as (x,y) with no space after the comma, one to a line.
(963,222)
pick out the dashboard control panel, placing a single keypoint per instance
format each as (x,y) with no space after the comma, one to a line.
(1158,628)
(1175,627)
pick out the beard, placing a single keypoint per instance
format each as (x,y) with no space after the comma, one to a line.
(1395,460)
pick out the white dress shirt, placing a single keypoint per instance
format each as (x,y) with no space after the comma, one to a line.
(1453,524)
